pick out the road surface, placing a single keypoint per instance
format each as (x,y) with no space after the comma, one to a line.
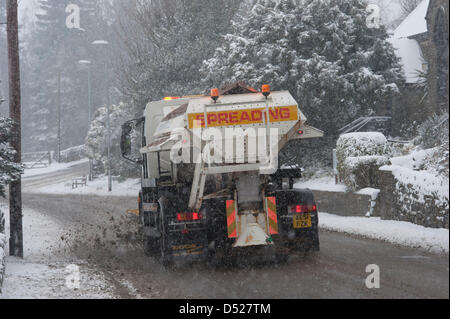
(98,230)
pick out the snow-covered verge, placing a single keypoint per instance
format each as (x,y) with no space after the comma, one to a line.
(396,232)
(99,187)
(54,167)
(2,247)
(324,183)
(43,273)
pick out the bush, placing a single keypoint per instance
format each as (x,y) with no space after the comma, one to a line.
(361,172)
(433,132)
(360,144)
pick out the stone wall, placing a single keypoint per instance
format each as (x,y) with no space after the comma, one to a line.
(343,204)
(398,201)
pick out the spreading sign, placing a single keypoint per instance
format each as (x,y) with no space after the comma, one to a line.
(245,117)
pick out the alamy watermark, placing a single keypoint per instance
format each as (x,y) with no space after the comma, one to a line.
(227,146)
(73,278)
(373,279)
(73,20)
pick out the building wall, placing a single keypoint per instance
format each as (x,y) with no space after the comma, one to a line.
(435,50)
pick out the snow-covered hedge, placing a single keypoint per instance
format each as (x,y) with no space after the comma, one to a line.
(359,155)
(2,248)
(362,172)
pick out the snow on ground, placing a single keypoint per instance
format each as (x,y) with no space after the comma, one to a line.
(42,274)
(409,170)
(99,187)
(369,191)
(326,183)
(54,167)
(413,160)
(396,232)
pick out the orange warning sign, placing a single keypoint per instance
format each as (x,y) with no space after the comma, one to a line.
(272,212)
(231,219)
(245,117)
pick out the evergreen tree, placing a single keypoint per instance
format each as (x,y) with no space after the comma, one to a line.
(96,141)
(320,50)
(9,170)
(174,49)
(56,49)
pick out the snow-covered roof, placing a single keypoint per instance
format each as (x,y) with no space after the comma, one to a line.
(408,49)
(411,58)
(415,23)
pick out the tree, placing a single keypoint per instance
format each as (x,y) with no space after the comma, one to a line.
(54,49)
(165,44)
(9,170)
(408,6)
(96,141)
(321,51)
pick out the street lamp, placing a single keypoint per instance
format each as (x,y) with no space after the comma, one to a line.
(108,124)
(87,64)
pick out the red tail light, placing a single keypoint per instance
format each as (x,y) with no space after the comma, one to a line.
(298,209)
(183,217)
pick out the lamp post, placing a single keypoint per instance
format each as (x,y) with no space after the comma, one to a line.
(87,64)
(108,124)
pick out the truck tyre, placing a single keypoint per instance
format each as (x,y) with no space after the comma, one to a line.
(315,241)
(150,244)
(166,257)
(151,247)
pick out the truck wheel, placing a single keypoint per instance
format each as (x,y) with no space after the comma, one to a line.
(151,246)
(166,257)
(315,241)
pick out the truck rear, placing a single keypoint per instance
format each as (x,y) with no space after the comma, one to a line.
(211,179)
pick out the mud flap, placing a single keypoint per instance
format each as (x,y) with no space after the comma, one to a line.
(184,247)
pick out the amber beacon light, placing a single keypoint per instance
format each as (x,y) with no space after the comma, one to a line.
(266,90)
(215,94)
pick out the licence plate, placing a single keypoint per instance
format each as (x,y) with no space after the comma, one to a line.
(302,221)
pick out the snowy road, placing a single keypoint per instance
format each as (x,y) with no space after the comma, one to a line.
(97,232)
(338,271)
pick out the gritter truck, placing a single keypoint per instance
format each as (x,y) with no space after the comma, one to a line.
(211,180)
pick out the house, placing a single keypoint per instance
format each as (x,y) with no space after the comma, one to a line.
(421,43)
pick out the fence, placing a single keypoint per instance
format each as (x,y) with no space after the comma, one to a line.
(37,159)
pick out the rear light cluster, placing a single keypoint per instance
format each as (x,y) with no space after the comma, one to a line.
(297,209)
(184,217)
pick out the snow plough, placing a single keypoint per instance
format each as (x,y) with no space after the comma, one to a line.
(211,179)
